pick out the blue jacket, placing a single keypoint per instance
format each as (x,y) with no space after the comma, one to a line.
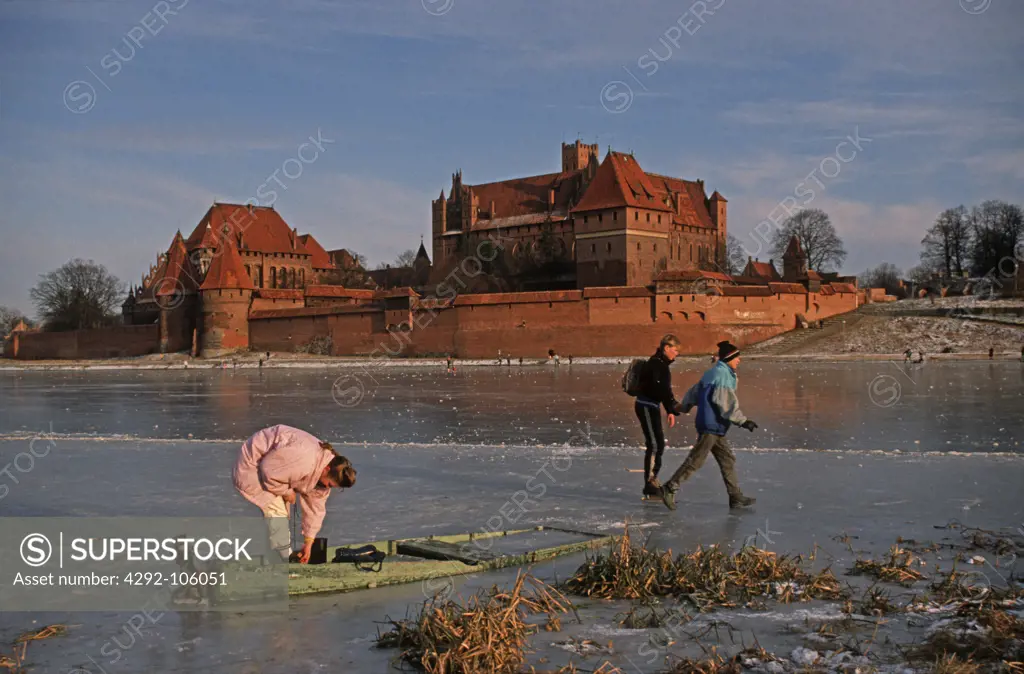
(714,396)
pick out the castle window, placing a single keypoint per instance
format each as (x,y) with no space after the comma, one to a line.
(655,248)
(638,245)
(648,217)
(600,218)
(636,215)
(609,245)
(273,277)
(593,248)
(691,252)
(584,219)
(615,216)
(659,219)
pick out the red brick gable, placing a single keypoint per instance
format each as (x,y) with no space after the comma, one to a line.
(254,228)
(318,255)
(226,272)
(178,273)
(692,209)
(765,270)
(844,288)
(620,182)
(794,249)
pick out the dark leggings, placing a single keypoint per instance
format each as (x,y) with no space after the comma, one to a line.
(654,438)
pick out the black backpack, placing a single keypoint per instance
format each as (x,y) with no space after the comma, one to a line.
(631,377)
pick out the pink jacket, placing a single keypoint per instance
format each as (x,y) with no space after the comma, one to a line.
(281,459)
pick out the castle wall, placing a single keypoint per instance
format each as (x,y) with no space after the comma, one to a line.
(122,341)
(594,322)
(177,325)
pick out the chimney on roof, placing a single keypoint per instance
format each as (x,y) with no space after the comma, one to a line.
(551,199)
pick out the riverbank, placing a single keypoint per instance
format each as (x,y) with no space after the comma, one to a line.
(284,361)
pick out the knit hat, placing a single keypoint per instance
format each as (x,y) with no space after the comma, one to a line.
(727,351)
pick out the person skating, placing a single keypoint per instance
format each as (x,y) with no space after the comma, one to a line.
(655,388)
(280,463)
(718,409)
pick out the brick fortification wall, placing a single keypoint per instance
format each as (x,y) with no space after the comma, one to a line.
(592,322)
(114,342)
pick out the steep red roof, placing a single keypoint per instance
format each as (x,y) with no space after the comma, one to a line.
(619,181)
(226,271)
(812,275)
(692,209)
(794,249)
(318,256)
(256,228)
(844,288)
(718,197)
(765,270)
(524,196)
(178,273)
(396,292)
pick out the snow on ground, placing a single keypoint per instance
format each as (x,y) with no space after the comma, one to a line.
(946,303)
(878,334)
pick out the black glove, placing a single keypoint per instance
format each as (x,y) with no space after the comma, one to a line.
(749,425)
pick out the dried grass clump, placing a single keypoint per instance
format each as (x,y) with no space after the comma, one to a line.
(708,577)
(714,663)
(988,637)
(605,668)
(897,567)
(951,664)
(486,635)
(16,665)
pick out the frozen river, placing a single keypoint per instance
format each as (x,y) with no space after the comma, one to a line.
(440,454)
(951,406)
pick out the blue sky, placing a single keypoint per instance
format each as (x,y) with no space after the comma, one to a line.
(214,97)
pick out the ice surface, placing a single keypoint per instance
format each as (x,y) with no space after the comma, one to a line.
(420,484)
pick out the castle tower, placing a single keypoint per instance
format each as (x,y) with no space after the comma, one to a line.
(794,262)
(225,297)
(439,218)
(718,210)
(175,293)
(577,156)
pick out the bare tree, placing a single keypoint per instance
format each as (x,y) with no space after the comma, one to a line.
(405,259)
(735,258)
(9,318)
(885,275)
(816,234)
(998,234)
(78,295)
(947,244)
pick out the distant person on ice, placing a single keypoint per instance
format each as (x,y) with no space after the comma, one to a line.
(655,390)
(718,408)
(280,463)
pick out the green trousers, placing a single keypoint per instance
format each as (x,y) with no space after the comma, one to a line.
(719,448)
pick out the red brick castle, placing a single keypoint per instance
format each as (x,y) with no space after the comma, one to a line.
(612,258)
(594,223)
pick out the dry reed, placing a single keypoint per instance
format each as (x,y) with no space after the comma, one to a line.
(707,577)
(486,635)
